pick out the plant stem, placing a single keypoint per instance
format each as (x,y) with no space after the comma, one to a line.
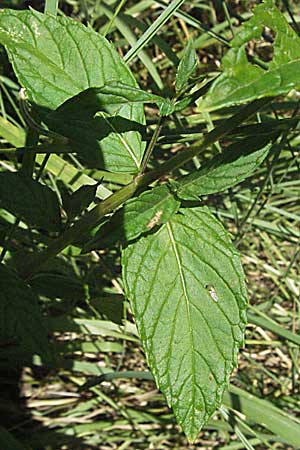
(93,217)
(51,7)
(210,138)
(153,29)
(87,222)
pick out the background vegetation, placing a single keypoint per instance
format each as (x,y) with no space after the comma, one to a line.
(82,295)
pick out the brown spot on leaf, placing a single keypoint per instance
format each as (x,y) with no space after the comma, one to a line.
(155,219)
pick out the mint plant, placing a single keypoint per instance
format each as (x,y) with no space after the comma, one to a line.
(181,271)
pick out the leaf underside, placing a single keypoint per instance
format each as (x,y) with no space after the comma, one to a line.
(187,291)
(57,58)
(243,81)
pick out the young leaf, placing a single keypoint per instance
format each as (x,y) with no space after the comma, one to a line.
(139,215)
(243,81)
(187,291)
(55,59)
(167,107)
(225,170)
(30,200)
(22,329)
(186,67)
(184,103)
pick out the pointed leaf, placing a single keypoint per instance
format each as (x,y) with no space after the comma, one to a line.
(139,215)
(55,59)
(225,170)
(111,307)
(243,81)
(187,291)
(85,119)
(79,200)
(186,67)
(30,200)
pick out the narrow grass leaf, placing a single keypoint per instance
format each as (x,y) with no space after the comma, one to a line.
(72,176)
(51,7)
(11,133)
(268,324)
(264,413)
(126,30)
(153,29)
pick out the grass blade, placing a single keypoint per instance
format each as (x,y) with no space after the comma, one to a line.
(51,7)
(153,30)
(263,412)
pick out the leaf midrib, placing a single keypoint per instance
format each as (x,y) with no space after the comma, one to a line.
(183,284)
(124,142)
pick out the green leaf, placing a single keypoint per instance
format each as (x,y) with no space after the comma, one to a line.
(22,329)
(11,133)
(186,67)
(57,58)
(166,108)
(184,103)
(243,81)
(225,170)
(30,200)
(79,200)
(57,285)
(187,291)
(139,215)
(85,119)
(108,98)
(111,307)
(264,413)
(150,33)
